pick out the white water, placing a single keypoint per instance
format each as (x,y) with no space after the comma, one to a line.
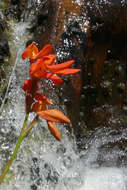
(42,162)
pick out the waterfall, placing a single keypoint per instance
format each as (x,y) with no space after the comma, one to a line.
(43,163)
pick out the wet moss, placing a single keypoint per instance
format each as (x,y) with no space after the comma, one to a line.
(3,5)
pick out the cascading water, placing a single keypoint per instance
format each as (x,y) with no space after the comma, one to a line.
(44,164)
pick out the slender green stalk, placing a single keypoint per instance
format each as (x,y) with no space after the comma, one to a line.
(30,126)
(5,170)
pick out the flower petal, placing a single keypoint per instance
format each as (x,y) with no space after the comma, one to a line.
(30,51)
(27,85)
(55,68)
(56,79)
(54,115)
(37,107)
(30,86)
(54,131)
(38,69)
(68,71)
(42,98)
(49,59)
(28,102)
(45,51)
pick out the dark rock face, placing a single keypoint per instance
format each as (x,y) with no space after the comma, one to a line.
(3,25)
(4,52)
(108,26)
(12,12)
(14,9)
(4,47)
(15,2)
(94,34)
(106,48)
(43,13)
(105,64)
(99,50)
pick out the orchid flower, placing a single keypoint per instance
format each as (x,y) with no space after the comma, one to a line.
(42,65)
(33,53)
(50,115)
(38,68)
(54,131)
(28,86)
(63,68)
(41,103)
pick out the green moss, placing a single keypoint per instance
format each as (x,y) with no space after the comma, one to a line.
(3,5)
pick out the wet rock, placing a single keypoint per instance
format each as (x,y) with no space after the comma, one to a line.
(4,48)
(15,2)
(13,9)
(4,53)
(94,34)
(3,25)
(12,12)
(41,16)
(107,33)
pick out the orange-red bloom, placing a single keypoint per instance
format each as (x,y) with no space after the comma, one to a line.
(28,86)
(63,68)
(53,115)
(45,51)
(54,131)
(43,66)
(30,52)
(41,97)
(38,106)
(33,53)
(41,103)
(38,68)
(55,79)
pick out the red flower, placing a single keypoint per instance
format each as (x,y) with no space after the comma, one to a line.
(30,52)
(63,68)
(30,85)
(53,115)
(54,131)
(41,97)
(44,65)
(38,106)
(38,68)
(55,79)
(33,53)
(41,103)
(27,86)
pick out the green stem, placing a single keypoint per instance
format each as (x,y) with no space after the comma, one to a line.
(30,126)
(5,170)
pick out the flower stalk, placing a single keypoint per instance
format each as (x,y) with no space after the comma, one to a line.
(42,66)
(5,170)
